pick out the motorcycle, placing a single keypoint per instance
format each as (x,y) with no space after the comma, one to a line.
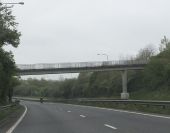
(41,100)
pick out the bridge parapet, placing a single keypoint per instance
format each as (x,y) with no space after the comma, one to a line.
(81,64)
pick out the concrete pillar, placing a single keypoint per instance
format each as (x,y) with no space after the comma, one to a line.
(124,94)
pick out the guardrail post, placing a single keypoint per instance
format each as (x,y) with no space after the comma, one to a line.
(124,94)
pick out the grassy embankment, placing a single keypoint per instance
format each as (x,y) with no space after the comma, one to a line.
(162,95)
(10,113)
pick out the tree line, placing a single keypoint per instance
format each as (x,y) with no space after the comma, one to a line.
(155,77)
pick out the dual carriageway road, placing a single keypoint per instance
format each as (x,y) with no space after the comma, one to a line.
(65,118)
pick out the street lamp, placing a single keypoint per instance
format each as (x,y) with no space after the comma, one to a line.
(11,3)
(107,56)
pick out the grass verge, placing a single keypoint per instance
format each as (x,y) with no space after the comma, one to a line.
(9,116)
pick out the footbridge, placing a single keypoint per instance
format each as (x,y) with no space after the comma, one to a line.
(78,67)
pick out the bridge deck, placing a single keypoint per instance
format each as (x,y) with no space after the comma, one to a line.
(56,68)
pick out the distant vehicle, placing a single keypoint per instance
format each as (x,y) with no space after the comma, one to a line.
(41,100)
(17,101)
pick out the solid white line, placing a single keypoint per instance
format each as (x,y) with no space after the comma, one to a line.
(110,126)
(18,121)
(124,111)
(82,116)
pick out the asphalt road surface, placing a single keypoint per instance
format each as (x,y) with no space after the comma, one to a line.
(62,118)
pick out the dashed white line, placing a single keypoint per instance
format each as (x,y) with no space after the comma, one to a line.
(110,126)
(83,116)
(68,111)
(123,111)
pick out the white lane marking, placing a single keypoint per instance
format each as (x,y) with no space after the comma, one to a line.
(83,116)
(18,121)
(110,126)
(124,111)
(68,111)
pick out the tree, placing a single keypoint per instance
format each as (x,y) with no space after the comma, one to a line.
(160,68)
(9,35)
(165,44)
(146,53)
(7,70)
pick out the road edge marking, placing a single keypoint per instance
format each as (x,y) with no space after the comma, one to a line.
(110,126)
(18,121)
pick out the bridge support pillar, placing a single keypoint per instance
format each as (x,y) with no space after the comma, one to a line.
(124,94)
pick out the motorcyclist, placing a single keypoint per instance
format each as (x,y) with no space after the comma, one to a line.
(41,99)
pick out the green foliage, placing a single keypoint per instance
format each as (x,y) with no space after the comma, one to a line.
(80,87)
(8,36)
(7,70)
(155,79)
(104,84)
(158,70)
(97,84)
(44,88)
(8,31)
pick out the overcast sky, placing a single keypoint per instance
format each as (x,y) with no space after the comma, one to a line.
(77,30)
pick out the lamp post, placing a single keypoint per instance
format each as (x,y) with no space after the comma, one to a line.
(107,56)
(12,3)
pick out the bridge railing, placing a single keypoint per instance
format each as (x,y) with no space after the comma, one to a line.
(80,64)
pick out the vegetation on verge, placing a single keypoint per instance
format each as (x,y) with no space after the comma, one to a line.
(7,112)
(9,116)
